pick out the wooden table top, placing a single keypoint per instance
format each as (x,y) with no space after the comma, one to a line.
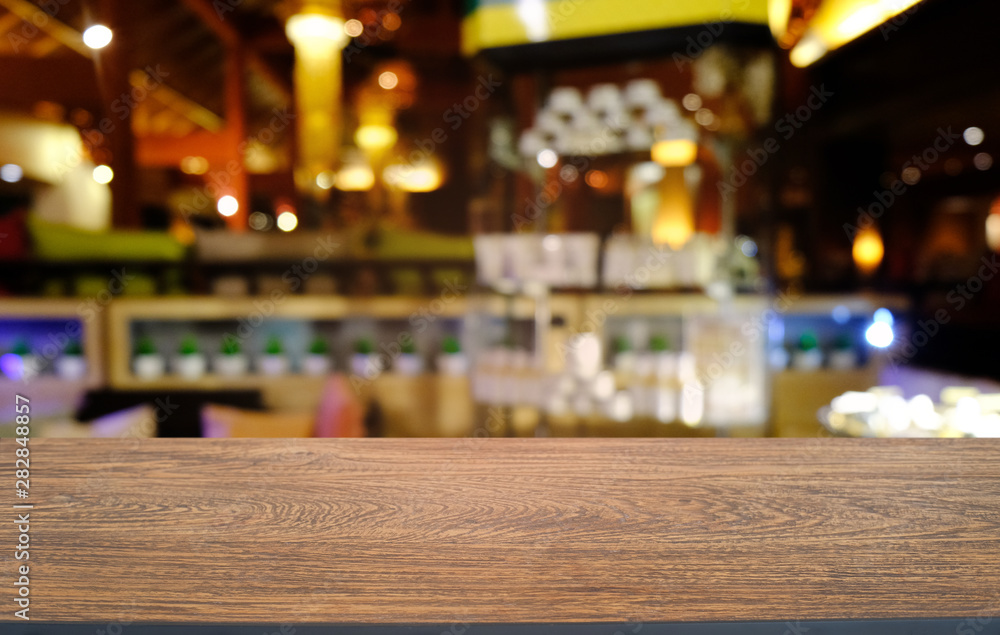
(429,531)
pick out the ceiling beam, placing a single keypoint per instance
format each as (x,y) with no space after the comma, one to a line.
(66,35)
(233,39)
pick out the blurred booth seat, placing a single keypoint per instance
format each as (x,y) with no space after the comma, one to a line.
(340,414)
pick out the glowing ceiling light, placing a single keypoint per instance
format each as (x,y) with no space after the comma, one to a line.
(354,28)
(973,136)
(837,22)
(778,13)
(194,165)
(287,221)
(228,205)
(674,152)
(309,30)
(375,137)
(97,36)
(868,250)
(883,315)
(425,177)
(11,173)
(879,335)
(388,80)
(103,174)
(355,178)
(325,179)
(809,49)
(547,158)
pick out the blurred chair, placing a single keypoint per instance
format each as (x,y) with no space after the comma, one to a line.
(340,414)
(136,422)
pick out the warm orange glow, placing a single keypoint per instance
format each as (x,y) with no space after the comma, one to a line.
(868,250)
(674,224)
(675,152)
(837,22)
(596,179)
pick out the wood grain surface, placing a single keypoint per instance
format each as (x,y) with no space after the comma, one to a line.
(509,530)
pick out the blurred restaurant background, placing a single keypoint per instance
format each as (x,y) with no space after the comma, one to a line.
(490,218)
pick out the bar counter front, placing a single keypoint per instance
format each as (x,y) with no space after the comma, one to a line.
(506,536)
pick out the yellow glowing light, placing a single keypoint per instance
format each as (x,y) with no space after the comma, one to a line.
(194,165)
(675,152)
(868,250)
(388,80)
(778,12)
(425,177)
(311,30)
(807,51)
(103,174)
(674,222)
(97,36)
(287,221)
(325,179)
(355,178)
(354,28)
(837,22)
(993,231)
(228,205)
(375,137)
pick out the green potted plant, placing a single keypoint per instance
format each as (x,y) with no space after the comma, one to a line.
(409,362)
(147,362)
(190,362)
(843,356)
(231,361)
(273,361)
(70,364)
(365,361)
(807,355)
(452,360)
(317,359)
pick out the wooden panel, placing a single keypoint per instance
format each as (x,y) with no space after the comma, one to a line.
(510,530)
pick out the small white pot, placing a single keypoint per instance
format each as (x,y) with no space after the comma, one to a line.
(71,367)
(231,365)
(191,366)
(844,359)
(366,365)
(272,364)
(452,364)
(807,360)
(149,367)
(409,364)
(315,364)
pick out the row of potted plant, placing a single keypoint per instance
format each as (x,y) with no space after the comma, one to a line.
(22,362)
(231,361)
